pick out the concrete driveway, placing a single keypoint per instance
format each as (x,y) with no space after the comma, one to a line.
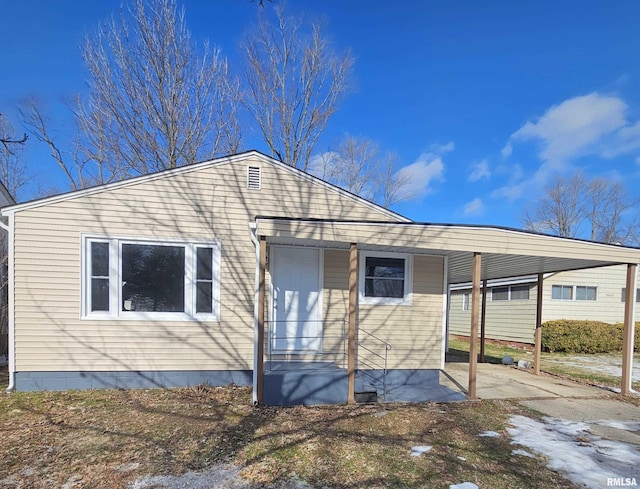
(504,382)
(605,416)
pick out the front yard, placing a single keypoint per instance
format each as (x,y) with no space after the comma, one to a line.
(113,438)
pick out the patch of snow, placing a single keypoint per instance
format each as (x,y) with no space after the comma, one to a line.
(585,459)
(522,452)
(490,434)
(419,450)
(464,485)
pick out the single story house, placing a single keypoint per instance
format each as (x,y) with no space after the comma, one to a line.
(596,294)
(245,270)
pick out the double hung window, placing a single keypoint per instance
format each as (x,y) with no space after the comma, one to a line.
(385,278)
(139,279)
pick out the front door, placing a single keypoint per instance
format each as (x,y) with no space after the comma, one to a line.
(296,316)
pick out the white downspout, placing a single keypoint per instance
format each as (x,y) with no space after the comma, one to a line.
(10,286)
(253,229)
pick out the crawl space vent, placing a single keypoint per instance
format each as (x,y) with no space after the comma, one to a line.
(254,177)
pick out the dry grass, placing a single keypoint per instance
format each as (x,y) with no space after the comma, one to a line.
(109,438)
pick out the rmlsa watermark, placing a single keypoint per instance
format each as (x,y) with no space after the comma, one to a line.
(621,482)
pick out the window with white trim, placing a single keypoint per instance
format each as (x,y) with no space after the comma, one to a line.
(510,293)
(385,278)
(574,292)
(144,279)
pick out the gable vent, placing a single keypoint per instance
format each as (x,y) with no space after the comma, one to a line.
(254,177)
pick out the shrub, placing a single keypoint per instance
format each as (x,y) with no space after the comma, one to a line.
(583,336)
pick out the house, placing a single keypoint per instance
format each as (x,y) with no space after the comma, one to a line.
(245,270)
(596,294)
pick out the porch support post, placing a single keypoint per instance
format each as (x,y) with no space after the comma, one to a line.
(538,334)
(353,313)
(473,336)
(483,319)
(261,306)
(627,340)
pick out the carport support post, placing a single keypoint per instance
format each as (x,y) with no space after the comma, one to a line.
(627,340)
(353,312)
(473,336)
(483,319)
(538,335)
(261,304)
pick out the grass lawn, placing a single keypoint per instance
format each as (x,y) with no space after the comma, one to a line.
(556,363)
(110,438)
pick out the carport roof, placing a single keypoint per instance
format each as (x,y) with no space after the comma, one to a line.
(506,252)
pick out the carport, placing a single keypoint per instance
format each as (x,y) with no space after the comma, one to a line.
(471,254)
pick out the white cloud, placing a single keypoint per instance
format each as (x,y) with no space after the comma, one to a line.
(507,150)
(420,174)
(443,148)
(473,208)
(479,170)
(576,127)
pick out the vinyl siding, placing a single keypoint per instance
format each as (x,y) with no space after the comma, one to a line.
(211,203)
(505,320)
(414,331)
(608,307)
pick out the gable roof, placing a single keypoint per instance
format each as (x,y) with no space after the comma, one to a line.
(196,167)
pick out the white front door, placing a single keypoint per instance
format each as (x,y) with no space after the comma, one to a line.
(296,318)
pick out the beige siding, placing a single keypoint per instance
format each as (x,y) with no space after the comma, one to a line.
(505,320)
(608,307)
(210,203)
(413,331)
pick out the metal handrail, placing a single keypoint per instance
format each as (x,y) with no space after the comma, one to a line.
(384,358)
(339,351)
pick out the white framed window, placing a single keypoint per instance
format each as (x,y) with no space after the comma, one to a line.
(574,293)
(466,301)
(510,293)
(142,279)
(385,278)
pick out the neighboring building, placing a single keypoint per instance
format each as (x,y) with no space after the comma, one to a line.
(594,294)
(245,270)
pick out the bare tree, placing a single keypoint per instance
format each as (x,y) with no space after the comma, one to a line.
(357,166)
(294,82)
(13,168)
(611,213)
(577,207)
(393,187)
(153,102)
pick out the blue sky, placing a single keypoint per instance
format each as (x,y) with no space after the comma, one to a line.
(484,102)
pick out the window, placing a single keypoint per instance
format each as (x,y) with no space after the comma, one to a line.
(131,279)
(385,278)
(466,301)
(519,292)
(510,293)
(624,293)
(574,292)
(500,294)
